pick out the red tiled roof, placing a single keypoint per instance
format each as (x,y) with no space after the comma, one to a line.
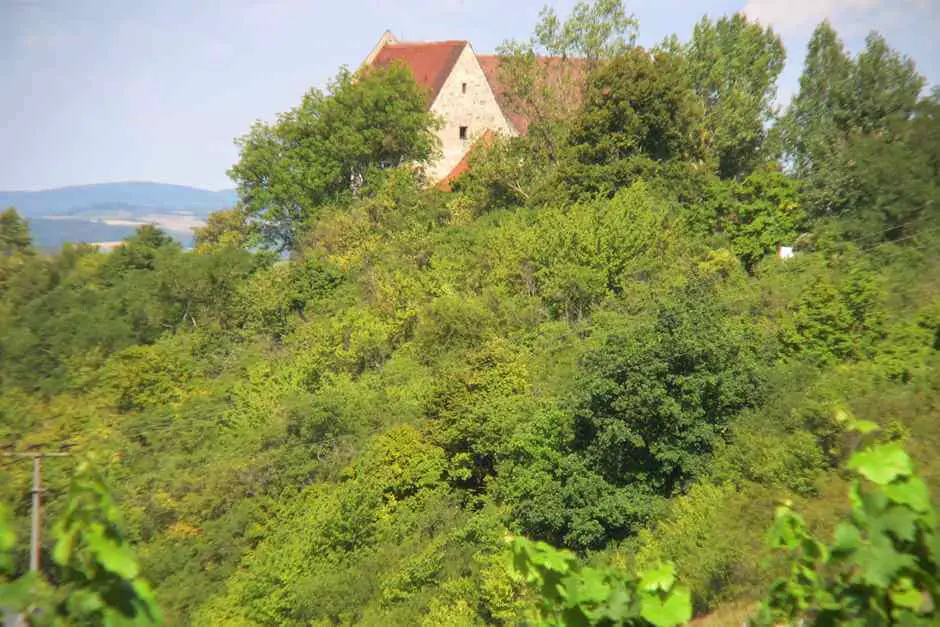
(555,72)
(445,183)
(490,65)
(430,63)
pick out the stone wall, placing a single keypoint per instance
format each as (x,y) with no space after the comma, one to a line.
(473,107)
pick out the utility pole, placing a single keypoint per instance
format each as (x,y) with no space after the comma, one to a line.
(37,501)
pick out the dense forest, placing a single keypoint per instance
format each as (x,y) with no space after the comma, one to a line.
(340,404)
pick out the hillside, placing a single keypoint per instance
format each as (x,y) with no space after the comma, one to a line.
(580,387)
(109,212)
(135,198)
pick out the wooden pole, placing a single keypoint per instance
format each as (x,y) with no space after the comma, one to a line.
(34,539)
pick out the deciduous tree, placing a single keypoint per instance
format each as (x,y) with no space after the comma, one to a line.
(322,151)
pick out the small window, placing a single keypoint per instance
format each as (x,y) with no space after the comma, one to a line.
(463,132)
(463,88)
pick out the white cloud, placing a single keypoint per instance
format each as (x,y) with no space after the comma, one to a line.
(797,15)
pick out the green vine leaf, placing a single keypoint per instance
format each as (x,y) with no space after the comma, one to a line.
(912,493)
(114,557)
(879,561)
(882,464)
(674,609)
(900,522)
(847,538)
(904,594)
(18,593)
(660,578)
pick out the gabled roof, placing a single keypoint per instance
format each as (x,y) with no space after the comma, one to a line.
(430,62)
(490,64)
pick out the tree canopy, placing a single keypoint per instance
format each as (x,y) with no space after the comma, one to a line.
(574,389)
(324,150)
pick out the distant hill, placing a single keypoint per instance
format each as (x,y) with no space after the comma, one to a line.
(127,199)
(107,212)
(50,233)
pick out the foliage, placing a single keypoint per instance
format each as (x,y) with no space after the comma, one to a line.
(881,568)
(570,594)
(638,104)
(14,233)
(594,31)
(324,150)
(97,579)
(227,228)
(640,120)
(588,341)
(544,76)
(761,213)
(846,112)
(656,397)
(734,65)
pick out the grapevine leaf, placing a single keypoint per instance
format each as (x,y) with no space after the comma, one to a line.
(900,521)
(618,605)
(906,595)
(18,593)
(847,538)
(62,552)
(114,557)
(674,609)
(86,601)
(932,540)
(660,578)
(591,588)
(879,562)
(882,464)
(912,493)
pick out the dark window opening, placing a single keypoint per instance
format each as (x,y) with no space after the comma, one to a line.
(463,132)
(463,88)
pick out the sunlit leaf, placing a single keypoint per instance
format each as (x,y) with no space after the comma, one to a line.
(882,464)
(659,578)
(674,609)
(912,493)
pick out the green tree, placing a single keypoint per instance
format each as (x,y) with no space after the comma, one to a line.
(734,66)
(887,85)
(16,251)
(140,250)
(765,211)
(822,107)
(227,228)
(544,77)
(844,110)
(595,31)
(639,105)
(923,133)
(323,151)
(14,233)
(654,399)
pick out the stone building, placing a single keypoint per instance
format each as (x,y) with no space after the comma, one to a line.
(464,92)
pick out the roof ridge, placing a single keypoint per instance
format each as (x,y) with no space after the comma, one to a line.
(449,42)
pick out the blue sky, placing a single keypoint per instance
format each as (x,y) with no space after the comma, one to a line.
(108,90)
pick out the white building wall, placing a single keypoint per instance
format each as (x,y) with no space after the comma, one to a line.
(475,109)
